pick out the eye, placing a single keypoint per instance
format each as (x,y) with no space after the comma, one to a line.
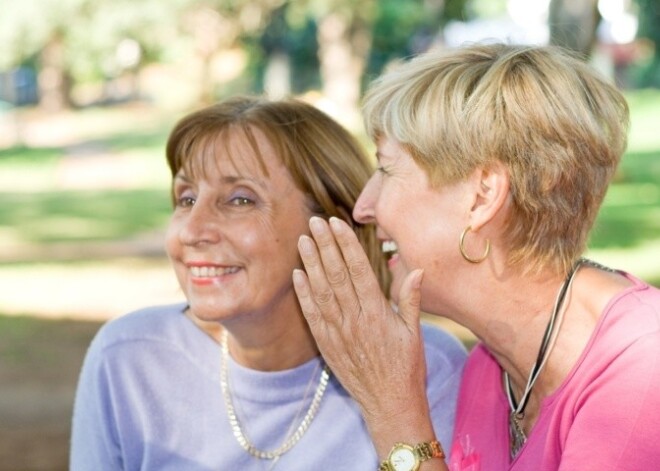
(241,201)
(185,201)
(382,170)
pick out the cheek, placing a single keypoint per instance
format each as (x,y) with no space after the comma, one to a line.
(171,238)
(392,201)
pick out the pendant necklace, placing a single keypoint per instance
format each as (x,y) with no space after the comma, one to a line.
(235,424)
(517,409)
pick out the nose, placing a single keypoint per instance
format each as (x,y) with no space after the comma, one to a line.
(201,225)
(363,212)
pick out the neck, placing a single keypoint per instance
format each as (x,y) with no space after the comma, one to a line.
(267,345)
(515,328)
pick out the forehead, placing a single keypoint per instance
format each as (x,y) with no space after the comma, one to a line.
(389,149)
(233,151)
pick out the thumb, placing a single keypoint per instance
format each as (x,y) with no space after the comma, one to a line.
(410,297)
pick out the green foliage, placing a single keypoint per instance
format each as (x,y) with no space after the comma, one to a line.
(293,32)
(649,21)
(454,10)
(26,25)
(399,30)
(647,73)
(485,8)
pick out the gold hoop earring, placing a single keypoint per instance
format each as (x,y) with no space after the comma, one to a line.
(461,247)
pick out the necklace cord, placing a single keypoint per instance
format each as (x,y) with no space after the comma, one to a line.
(518,408)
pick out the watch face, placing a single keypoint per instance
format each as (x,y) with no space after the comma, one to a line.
(403,459)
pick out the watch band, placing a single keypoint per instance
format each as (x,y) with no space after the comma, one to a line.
(423,451)
(428,450)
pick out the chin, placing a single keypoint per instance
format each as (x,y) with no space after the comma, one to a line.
(208,313)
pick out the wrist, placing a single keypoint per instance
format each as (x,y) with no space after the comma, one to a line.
(407,457)
(405,426)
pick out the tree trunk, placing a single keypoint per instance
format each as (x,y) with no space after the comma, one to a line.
(54,81)
(344,43)
(573,24)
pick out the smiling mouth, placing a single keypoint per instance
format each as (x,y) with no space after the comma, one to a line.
(389,248)
(212,271)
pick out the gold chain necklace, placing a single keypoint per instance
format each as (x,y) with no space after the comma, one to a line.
(235,423)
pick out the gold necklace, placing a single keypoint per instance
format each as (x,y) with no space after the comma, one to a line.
(235,423)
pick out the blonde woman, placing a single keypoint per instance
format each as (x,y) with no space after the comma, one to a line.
(493,163)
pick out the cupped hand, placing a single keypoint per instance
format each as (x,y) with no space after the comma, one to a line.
(376,353)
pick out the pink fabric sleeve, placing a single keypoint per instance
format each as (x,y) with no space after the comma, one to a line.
(617,417)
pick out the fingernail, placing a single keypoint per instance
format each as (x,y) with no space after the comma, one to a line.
(336,225)
(298,277)
(316,224)
(305,245)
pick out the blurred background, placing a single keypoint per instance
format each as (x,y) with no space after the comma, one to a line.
(90,88)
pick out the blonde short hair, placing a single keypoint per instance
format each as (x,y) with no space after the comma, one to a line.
(556,124)
(326,162)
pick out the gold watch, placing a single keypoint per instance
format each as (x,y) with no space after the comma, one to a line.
(404,457)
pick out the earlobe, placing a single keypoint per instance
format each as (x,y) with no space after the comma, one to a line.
(492,192)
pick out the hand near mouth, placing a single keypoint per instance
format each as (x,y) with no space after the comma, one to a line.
(368,346)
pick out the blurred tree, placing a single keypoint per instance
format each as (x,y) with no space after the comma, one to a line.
(357,38)
(403,29)
(84,40)
(343,35)
(290,62)
(38,29)
(649,29)
(331,44)
(219,25)
(573,24)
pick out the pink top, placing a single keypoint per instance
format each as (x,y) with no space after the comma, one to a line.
(605,415)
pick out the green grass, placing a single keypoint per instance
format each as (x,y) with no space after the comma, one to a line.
(22,155)
(630,215)
(78,216)
(627,231)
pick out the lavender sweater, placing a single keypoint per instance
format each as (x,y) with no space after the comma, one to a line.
(149,398)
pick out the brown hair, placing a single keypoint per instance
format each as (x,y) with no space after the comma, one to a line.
(324,159)
(557,125)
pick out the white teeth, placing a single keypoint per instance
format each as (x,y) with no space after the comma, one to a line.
(209,272)
(389,246)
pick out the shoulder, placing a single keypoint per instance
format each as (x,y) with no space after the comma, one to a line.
(631,317)
(640,297)
(443,349)
(157,335)
(150,324)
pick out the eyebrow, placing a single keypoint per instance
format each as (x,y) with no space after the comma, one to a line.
(228,179)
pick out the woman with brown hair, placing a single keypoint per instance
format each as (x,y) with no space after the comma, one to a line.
(232,378)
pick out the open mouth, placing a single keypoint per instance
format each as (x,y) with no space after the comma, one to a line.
(389,249)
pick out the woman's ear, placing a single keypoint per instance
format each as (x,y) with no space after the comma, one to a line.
(491,185)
